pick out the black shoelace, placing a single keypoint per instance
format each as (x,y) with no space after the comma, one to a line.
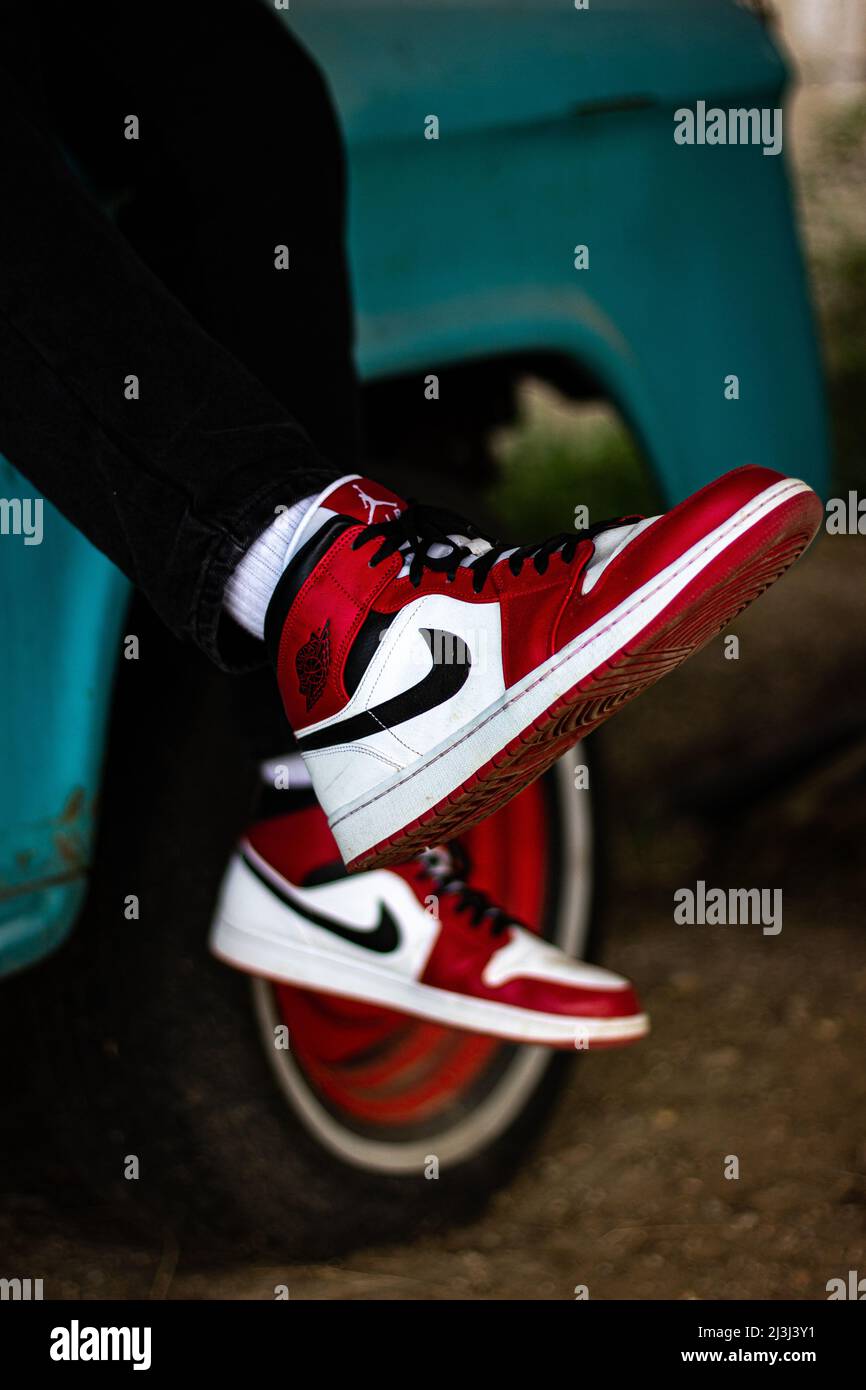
(420,527)
(448,868)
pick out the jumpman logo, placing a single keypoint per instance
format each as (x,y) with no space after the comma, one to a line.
(371,503)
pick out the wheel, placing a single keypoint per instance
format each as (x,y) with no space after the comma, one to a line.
(385,1093)
(139,1044)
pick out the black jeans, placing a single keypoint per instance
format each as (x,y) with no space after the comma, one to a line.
(247,391)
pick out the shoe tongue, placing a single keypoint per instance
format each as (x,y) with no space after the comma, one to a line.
(371,503)
(352,496)
(361,499)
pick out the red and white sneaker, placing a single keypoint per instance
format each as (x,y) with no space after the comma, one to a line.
(418,939)
(429,674)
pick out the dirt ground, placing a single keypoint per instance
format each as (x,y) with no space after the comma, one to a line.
(758,1041)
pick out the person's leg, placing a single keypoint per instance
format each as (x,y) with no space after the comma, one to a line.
(172,474)
(240,152)
(243,151)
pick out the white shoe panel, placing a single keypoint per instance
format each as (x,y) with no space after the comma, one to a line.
(607,545)
(526,956)
(355,902)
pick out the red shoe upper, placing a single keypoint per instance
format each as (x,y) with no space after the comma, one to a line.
(542,606)
(299,845)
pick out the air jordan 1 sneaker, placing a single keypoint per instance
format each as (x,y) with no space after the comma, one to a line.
(416,938)
(429,673)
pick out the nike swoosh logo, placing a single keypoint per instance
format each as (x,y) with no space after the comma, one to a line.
(383,938)
(448,674)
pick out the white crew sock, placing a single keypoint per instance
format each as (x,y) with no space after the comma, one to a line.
(256,575)
(254,578)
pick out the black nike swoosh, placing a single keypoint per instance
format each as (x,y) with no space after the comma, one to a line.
(448,674)
(383,938)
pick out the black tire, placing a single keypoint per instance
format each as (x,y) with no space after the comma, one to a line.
(136,1042)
